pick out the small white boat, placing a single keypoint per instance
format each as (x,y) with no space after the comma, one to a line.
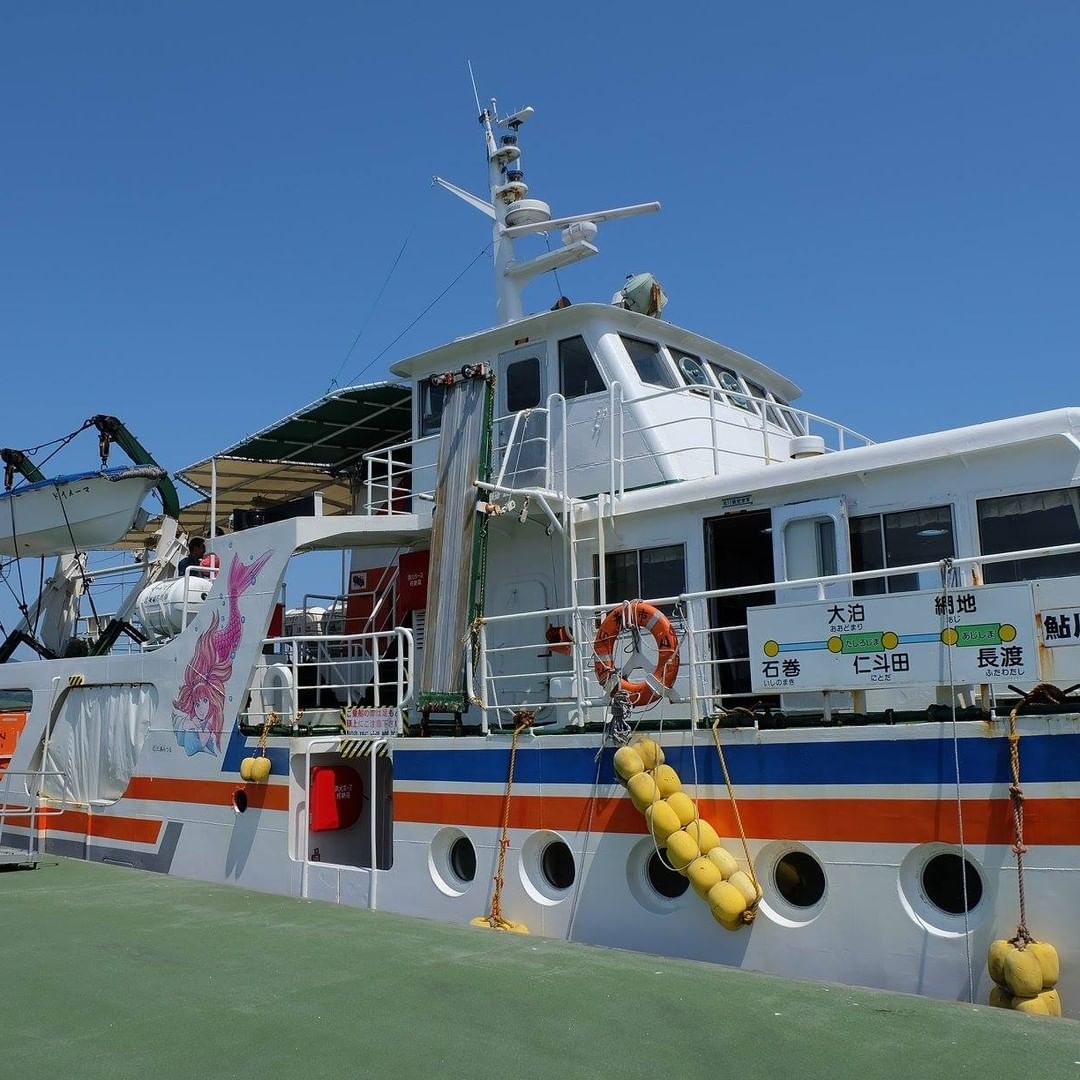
(74,512)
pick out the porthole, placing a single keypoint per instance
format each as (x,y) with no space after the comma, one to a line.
(452,862)
(799,879)
(669,883)
(546,867)
(239,800)
(557,865)
(463,859)
(943,881)
(931,883)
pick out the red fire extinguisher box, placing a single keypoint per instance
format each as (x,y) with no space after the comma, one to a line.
(412,581)
(337,796)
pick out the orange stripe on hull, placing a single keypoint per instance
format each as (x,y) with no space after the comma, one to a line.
(900,821)
(107,826)
(207,792)
(568,813)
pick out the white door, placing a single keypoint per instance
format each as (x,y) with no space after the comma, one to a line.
(810,540)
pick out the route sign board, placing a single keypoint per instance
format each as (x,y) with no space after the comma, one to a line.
(966,636)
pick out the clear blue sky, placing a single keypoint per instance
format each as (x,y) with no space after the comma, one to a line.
(198,201)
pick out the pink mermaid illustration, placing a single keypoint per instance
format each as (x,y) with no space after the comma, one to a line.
(199,708)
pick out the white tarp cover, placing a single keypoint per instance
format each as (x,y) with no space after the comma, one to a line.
(95,742)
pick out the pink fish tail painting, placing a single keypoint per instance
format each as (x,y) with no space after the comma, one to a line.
(199,708)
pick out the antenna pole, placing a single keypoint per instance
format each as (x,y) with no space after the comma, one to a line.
(475,92)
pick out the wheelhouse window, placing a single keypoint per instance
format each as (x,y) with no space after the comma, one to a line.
(881,541)
(643,574)
(523,390)
(578,373)
(775,415)
(730,384)
(1035,519)
(690,367)
(649,363)
(432,400)
(791,418)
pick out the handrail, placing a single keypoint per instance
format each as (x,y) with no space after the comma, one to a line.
(508,650)
(374,644)
(825,579)
(209,572)
(36,804)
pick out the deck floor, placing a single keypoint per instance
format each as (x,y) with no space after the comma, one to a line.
(118,974)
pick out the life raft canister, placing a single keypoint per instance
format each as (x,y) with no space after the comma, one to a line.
(644,617)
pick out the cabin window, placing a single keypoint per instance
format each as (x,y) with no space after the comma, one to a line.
(643,574)
(691,367)
(757,394)
(881,541)
(793,420)
(762,400)
(432,399)
(776,416)
(523,389)
(578,374)
(729,382)
(1034,519)
(649,364)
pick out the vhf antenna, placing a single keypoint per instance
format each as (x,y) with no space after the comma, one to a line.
(476,95)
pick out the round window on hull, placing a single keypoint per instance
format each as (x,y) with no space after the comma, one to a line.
(947,880)
(452,862)
(463,859)
(669,883)
(799,879)
(557,865)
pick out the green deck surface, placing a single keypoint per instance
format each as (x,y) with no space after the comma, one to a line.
(114,973)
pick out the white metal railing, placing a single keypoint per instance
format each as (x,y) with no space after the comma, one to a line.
(321,620)
(392,479)
(204,572)
(775,423)
(713,434)
(30,806)
(508,676)
(334,670)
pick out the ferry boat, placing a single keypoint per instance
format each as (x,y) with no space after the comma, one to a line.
(594,562)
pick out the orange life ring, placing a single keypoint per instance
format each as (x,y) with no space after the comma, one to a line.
(645,617)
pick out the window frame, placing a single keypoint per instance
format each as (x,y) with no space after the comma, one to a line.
(637,553)
(1021,568)
(887,581)
(732,396)
(424,428)
(661,358)
(675,355)
(535,360)
(592,356)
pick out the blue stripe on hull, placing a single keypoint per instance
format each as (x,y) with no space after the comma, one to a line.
(1046,759)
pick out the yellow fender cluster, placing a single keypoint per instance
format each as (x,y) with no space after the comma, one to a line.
(255,770)
(1025,977)
(693,848)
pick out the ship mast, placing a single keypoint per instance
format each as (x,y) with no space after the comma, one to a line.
(514,215)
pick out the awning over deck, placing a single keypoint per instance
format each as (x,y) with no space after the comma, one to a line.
(319,448)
